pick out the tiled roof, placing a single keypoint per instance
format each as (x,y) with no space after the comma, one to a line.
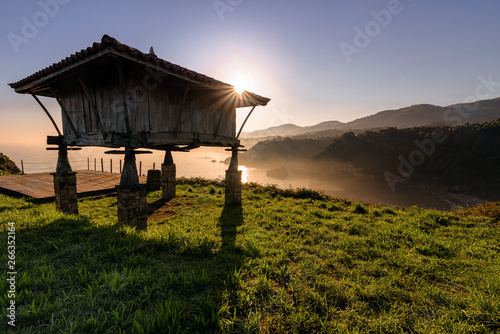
(112,43)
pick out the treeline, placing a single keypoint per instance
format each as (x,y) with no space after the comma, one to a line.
(8,166)
(465,158)
(279,149)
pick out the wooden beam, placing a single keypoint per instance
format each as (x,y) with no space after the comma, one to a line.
(64,111)
(124,98)
(179,117)
(150,140)
(242,125)
(92,105)
(47,112)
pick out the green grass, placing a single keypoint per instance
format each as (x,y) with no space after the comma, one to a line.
(283,262)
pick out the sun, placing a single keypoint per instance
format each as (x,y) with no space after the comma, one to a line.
(240,84)
(239,88)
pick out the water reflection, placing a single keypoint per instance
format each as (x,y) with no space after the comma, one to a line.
(245,171)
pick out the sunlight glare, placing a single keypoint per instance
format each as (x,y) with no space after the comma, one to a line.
(240,84)
(245,171)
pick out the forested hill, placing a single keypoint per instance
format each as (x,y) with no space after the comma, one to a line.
(8,166)
(464,158)
(279,149)
(427,114)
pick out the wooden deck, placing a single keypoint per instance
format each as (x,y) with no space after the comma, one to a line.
(41,185)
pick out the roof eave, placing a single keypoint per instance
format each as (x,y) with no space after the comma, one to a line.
(37,84)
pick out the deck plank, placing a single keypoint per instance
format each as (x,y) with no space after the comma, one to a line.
(41,185)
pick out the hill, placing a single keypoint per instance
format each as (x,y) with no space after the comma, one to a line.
(8,166)
(407,117)
(463,158)
(278,149)
(426,114)
(292,130)
(295,148)
(286,261)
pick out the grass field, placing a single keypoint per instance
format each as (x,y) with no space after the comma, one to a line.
(282,262)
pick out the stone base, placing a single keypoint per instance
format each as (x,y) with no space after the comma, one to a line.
(65,192)
(168,181)
(154,179)
(233,187)
(132,206)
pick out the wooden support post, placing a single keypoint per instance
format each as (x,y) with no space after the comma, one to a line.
(233,179)
(22,166)
(129,176)
(111,165)
(131,196)
(168,177)
(140,168)
(244,122)
(102,165)
(88,163)
(63,165)
(154,167)
(65,112)
(47,113)
(120,166)
(65,183)
(95,165)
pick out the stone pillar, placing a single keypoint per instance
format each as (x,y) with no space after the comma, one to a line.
(65,192)
(154,179)
(131,196)
(132,206)
(233,180)
(65,184)
(168,181)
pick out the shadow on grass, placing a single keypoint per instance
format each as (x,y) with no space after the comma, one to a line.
(230,219)
(91,278)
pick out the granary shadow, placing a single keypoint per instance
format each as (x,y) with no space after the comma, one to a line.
(156,205)
(229,220)
(198,279)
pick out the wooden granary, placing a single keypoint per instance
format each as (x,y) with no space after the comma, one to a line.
(112,95)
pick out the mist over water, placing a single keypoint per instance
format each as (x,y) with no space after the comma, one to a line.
(208,162)
(202,162)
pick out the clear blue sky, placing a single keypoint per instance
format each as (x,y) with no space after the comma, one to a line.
(290,51)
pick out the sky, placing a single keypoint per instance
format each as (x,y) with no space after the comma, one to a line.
(317,60)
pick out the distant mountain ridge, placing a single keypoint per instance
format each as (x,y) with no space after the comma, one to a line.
(407,117)
(291,130)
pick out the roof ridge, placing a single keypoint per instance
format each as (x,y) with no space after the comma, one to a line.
(113,43)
